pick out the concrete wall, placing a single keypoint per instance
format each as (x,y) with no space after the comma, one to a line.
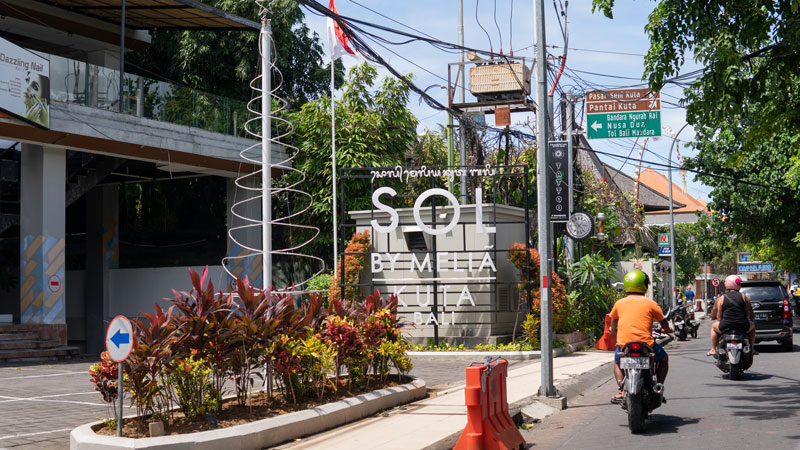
(132,291)
(494,312)
(136,290)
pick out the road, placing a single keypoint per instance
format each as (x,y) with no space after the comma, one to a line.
(704,408)
(40,403)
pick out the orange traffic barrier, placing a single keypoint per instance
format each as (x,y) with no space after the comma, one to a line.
(699,306)
(489,425)
(609,339)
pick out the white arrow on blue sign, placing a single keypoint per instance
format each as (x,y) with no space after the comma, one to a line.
(119,338)
(665,250)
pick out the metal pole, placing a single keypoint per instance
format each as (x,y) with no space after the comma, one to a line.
(121,54)
(462,151)
(119,399)
(673,301)
(333,170)
(570,189)
(547,389)
(705,291)
(266,157)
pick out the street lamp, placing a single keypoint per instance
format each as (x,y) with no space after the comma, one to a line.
(672,301)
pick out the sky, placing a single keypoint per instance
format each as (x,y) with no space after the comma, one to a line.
(604,53)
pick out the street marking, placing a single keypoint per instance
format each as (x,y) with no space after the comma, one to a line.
(46,398)
(11,436)
(42,376)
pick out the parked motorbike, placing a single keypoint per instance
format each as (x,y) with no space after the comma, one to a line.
(642,392)
(734,354)
(679,323)
(692,323)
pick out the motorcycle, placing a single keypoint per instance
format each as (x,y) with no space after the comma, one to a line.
(734,354)
(679,323)
(642,392)
(693,324)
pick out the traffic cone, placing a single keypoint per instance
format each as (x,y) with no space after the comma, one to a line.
(609,339)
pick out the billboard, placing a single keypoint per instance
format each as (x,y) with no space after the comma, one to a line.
(24,84)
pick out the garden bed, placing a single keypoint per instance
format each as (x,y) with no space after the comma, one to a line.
(259,433)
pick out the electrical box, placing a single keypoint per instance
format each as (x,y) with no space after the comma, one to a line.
(490,80)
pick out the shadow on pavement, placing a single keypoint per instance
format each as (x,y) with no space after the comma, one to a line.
(661,424)
(767,402)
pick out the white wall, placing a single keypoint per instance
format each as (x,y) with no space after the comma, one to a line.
(137,290)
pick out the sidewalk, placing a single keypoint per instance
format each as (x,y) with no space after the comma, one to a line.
(426,424)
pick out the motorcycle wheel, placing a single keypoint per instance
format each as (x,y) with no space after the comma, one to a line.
(682,334)
(636,413)
(736,372)
(694,333)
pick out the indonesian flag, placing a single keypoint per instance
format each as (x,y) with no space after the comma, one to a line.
(337,40)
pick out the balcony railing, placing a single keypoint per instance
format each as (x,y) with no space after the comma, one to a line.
(96,86)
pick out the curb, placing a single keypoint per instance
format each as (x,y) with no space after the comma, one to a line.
(262,433)
(516,356)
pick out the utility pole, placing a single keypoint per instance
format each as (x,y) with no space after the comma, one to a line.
(673,300)
(462,93)
(570,165)
(542,124)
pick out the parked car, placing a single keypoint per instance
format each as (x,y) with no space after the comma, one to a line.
(773,310)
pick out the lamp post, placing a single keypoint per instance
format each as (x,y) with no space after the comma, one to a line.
(672,301)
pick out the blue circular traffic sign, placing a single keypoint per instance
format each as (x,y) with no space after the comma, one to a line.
(119,338)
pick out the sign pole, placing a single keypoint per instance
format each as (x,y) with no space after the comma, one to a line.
(570,149)
(266,148)
(119,398)
(119,343)
(674,300)
(547,389)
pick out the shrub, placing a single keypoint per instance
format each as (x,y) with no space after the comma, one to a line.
(529,271)
(104,375)
(321,282)
(190,386)
(152,351)
(532,328)
(183,354)
(354,260)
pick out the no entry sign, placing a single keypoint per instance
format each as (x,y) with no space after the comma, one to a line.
(54,283)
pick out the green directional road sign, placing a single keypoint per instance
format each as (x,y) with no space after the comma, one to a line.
(623,125)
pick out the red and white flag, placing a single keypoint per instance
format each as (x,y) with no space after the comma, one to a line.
(337,39)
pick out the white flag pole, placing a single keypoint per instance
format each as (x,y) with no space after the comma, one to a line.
(333,158)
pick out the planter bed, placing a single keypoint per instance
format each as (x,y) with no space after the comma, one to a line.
(262,433)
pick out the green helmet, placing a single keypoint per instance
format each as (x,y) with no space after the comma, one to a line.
(636,282)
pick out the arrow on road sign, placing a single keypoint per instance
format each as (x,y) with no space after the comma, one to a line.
(596,126)
(120,338)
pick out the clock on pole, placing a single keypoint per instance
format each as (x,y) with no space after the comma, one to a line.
(580,226)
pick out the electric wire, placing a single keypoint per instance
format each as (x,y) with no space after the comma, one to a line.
(477,2)
(499,33)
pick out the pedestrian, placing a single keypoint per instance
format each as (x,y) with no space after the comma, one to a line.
(689,294)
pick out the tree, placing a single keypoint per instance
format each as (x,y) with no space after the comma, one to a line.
(374,128)
(224,62)
(743,106)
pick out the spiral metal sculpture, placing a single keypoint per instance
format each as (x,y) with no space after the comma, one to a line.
(285,189)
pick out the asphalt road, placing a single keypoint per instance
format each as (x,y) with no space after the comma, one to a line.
(704,409)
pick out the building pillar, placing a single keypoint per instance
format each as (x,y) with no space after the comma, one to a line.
(43,180)
(102,255)
(243,261)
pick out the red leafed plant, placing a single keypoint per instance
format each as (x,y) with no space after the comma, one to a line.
(104,376)
(354,260)
(152,352)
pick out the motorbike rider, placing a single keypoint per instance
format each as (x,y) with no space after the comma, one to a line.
(632,320)
(732,310)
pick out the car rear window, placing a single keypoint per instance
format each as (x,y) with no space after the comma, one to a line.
(762,293)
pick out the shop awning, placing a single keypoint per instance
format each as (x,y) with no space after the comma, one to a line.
(161,14)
